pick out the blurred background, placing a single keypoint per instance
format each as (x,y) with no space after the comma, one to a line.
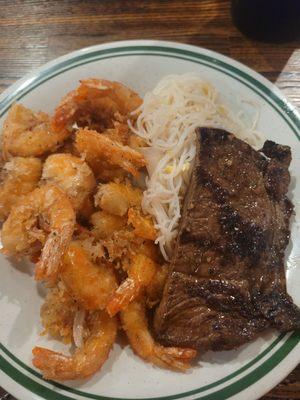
(33,32)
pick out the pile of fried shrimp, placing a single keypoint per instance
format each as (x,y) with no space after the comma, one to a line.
(69,200)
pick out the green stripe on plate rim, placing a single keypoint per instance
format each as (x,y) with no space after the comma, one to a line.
(222,394)
(279,105)
(170,397)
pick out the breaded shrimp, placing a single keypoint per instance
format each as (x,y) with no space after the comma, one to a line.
(72,175)
(116,198)
(106,173)
(94,146)
(135,324)
(119,133)
(90,284)
(86,240)
(141,270)
(105,224)
(143,225)
(124,242)
(44,216)
(58,313)
(87,359)
(95,103)
(19,176)
(27,134)
(119,244)
(148,248)
(154,290)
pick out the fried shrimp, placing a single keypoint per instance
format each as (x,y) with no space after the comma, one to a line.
(19,176)
(72,175)
(141,270)
(71,192)
(124,242)
(96,103)
(90,284)
(95,146)
(135,324)
(89,244)
(143,225)
(154,290)
(44,216)
(119,133)
(29,134)
(58,313)
(148,248)
(87,359)
(116,198)
(105,224)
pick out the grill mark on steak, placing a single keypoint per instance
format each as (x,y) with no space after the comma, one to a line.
(227,280)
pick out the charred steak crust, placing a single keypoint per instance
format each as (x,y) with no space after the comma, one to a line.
(227,280)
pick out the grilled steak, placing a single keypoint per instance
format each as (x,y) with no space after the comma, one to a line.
(227,280)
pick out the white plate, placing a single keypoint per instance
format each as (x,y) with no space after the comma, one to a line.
(246,373)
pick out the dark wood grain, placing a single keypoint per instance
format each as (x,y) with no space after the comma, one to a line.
(33,32)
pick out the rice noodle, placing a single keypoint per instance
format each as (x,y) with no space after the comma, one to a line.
(78,327)
(167,120)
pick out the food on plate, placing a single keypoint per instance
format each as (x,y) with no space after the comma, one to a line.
(58,313)
(68,201)
(105,224)
(72,175)
(97,104)
(29,134)
(141,271)
(100,148)
(227,279)
(19,176)
(116,198)
(155,288)
(45,219)
(93,195)
(88,358)
(91,284)
(143,226)
(135,324)
(166,121)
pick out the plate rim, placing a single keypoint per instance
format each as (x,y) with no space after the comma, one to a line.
(26,84)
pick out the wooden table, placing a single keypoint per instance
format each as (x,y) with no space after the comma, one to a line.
(35,31)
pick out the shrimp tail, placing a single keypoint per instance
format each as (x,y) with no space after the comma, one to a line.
(174,358)
(53,364)
(125,293)
(48,267)
(86,359)
(135,324)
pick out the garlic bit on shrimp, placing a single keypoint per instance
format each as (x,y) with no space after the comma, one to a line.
(96,103)
(135,325)
(72,175)
(87,359)
(29,134)
(19,176)
(43,219)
